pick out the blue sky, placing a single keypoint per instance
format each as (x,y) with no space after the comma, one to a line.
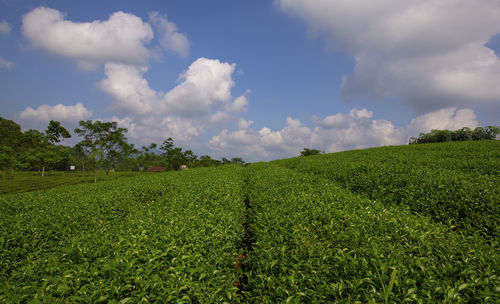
(256,79)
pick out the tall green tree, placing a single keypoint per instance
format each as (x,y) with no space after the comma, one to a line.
(174,155)
(40,150)
(79,156)
(104,143)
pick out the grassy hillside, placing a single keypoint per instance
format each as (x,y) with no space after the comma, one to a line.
(416,224)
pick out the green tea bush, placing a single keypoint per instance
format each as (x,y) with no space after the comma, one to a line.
(318,243)
(164,238)
(454,183)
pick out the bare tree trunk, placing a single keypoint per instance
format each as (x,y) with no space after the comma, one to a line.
(95,175)
(83,168)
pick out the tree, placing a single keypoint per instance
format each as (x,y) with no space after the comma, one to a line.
(174,155)
(189,158)
(55,132)
(103,143)
(237,161)
(479,133)
(131,158)
(40,150)
(490,132)
(79,156)
(309,152)
(462,134)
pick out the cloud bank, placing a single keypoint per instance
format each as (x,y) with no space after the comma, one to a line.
(354,130)
(201,101)
(430,54)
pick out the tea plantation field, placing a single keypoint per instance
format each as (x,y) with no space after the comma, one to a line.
(412,224)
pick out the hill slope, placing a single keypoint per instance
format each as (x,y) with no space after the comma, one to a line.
(456,183)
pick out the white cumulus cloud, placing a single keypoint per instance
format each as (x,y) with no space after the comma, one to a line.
(121,38)
(204,85)
(5,27)
(128,88)
(431,54)
(59,112)
(206,82)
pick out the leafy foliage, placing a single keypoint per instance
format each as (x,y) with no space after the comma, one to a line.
(309,152)
(479,133)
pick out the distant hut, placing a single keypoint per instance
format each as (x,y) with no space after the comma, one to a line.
(154,169)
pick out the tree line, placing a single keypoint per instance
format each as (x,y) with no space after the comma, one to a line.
(103,146)
(479,133)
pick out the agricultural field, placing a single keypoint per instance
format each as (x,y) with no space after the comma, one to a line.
(19,182)
(412,224)
(153,238)
(455,183)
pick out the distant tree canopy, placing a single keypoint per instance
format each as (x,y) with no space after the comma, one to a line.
(103,146)
(309,152)
(479,133)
